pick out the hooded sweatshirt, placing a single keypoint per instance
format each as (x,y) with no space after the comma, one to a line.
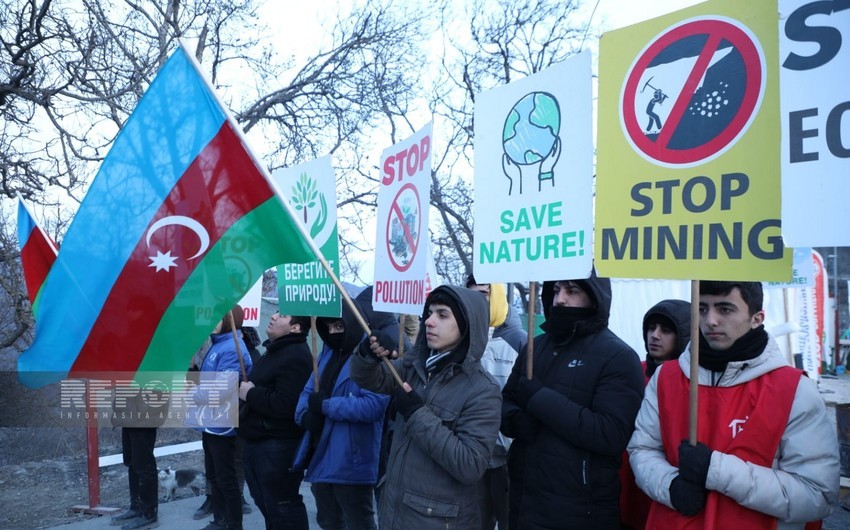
(677,313)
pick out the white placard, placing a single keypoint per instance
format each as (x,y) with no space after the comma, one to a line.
(250,304)
(814,51)
(401,241)
(533,176)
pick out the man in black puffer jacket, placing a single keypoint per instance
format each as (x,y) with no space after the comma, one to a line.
(267,422)
(572,420)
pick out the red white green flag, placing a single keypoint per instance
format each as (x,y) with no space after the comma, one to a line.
(177,225)
(38,251)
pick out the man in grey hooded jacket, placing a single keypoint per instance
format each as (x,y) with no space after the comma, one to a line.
(448,414)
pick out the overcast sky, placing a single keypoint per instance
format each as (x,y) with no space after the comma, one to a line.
(619,13)
(315,17)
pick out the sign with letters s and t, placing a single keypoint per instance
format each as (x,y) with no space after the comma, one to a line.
(688,147)
(814,54)
(401,243)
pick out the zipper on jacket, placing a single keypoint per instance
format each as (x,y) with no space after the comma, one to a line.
(584,471)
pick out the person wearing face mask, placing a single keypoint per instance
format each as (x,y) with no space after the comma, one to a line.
(572,420)
(344,422)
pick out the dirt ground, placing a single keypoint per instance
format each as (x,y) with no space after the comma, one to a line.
(41,494)
(43,470)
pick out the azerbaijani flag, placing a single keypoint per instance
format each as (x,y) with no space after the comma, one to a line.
(177,225)
(38,251)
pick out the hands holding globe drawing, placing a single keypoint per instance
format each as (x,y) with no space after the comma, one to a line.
(530,140)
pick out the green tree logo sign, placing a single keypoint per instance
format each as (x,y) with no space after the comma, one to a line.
(305,195)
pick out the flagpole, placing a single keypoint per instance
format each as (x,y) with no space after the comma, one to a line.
(238,348)
(265,172)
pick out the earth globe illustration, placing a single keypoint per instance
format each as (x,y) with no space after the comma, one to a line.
(531,128)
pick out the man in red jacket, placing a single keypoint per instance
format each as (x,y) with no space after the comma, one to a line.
(767,456)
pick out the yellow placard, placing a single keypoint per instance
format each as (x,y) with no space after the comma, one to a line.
(688,179)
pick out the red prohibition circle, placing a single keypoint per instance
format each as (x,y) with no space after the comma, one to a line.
(395,209)
(716,31)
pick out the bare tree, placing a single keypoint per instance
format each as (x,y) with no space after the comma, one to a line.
(72,71)
(15,313)
(503,41)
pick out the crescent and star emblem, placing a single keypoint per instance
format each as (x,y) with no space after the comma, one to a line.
(164,262)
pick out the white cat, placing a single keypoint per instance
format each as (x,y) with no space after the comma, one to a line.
(170,480)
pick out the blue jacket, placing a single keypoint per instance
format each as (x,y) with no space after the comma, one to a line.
(221,364)
(347,452)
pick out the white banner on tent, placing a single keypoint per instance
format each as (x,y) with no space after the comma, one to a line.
(533,176)
(805,340)
(814,50)
(401,242)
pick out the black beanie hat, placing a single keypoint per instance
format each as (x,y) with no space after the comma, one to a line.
(445,298)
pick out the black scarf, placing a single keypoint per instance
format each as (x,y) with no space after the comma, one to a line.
(749,346)
(332,369)
(562,321)
(651,365)
(435,367)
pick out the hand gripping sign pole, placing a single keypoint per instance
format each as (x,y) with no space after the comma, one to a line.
(694,383)
(309,240)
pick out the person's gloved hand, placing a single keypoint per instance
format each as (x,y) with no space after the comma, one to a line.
(525,389)
(379,339)
(694,462)
(522,426)
(314,403)
(313,423)
(686,497)
(406,400)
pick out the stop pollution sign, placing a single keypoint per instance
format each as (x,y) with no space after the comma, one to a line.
(693,91)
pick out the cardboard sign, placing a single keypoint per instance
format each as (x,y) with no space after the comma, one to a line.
(688,147)
(402,234)
(306,288)
(534,175)
(814,51)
